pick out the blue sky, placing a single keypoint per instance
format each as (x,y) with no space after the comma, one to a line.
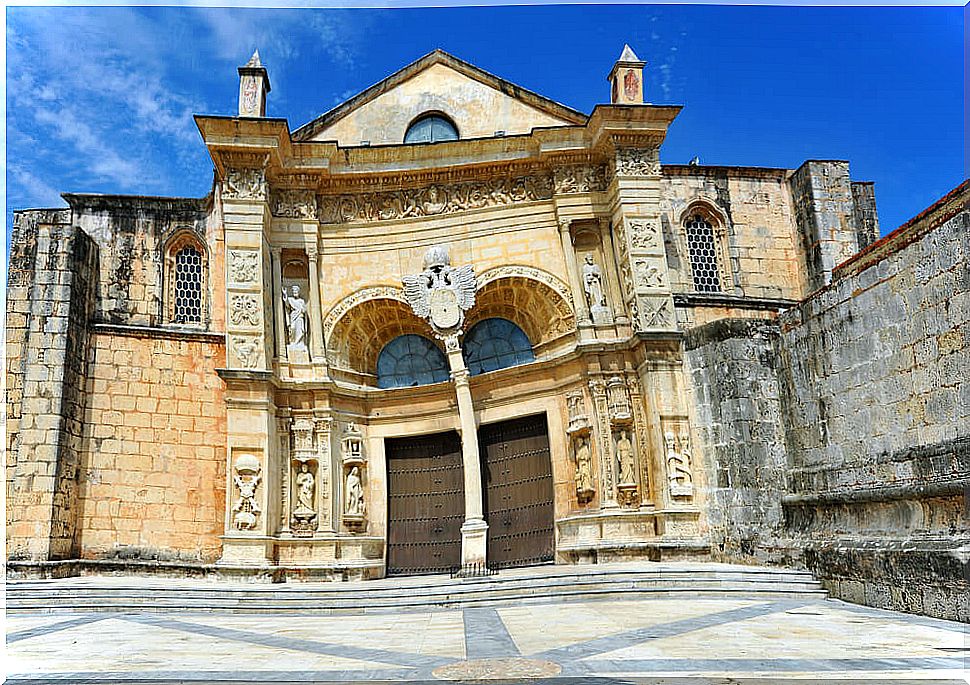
(101,99)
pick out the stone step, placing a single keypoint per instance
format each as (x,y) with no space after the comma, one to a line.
(126,594)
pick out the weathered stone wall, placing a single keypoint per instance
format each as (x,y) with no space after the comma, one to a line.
(762,248)
(152,481)
(51,297)
(875,382)
(735,392)
(865,215)
(131,233)
(839,438)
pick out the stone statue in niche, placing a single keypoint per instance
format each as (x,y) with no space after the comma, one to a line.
(678,464)
(354,493)
(626,460)
(306,483)
(593,285)
(296,322)
(584,471)
(246,477)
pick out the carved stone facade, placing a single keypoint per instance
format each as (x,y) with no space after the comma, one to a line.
(557,285)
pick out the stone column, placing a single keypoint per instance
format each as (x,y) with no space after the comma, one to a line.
(316,316)
(474,529)
(278,306)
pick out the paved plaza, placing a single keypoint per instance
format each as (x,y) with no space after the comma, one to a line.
(640,640)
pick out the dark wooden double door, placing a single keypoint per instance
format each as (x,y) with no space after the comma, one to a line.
(426,499)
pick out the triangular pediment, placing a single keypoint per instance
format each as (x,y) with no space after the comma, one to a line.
(479,103)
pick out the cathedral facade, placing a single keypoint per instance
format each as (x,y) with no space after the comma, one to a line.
(445,326)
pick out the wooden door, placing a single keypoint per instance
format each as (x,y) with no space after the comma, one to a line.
(426,503)
(518,497)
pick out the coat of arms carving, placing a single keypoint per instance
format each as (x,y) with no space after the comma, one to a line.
(441,293)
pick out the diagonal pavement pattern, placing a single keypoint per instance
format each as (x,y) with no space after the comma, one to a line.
(596,641)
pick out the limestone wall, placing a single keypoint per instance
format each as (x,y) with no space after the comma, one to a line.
(737,405)
(131,233)
(50,300)
(152,481)
(764,258)
(839,438)
(874,380)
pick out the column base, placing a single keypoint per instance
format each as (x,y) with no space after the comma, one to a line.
(474,539)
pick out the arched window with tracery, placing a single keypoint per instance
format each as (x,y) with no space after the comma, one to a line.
(186,268)
(704,253)
(410,360)
(493,344)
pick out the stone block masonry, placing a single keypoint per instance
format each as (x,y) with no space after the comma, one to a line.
(47,343)
(152,482)
(838,437)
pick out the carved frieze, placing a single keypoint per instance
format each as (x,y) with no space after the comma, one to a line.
(433,200)
(244,310)
(579,178)
(244,184)
(294,203)
(635,161)
(243,266)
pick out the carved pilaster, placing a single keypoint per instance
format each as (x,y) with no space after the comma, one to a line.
(322,427)
(641,429)
(597,387)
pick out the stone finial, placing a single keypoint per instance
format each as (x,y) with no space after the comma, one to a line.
(626,79)
(253,87)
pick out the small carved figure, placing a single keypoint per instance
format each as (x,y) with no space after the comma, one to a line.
(584,469)
(678,462)
(355,493)
(246,479)
(593,283)
(296,322)
(625,458)
(306,483)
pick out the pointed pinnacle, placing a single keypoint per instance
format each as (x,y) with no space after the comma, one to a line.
(628,55)
(254,60)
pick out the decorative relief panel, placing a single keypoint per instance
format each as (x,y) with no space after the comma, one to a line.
(431,201)
(640,428)
(580,178)
(243,266)
(632,161)
(645,234)
(294,203)
(678,457)
(649,274)
(652,312)
(247,350)
(246,477)
(597,388)
(244,310)
(244,184)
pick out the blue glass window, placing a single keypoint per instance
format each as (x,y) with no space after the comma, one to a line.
(495,344)
(432,128)
(410,360)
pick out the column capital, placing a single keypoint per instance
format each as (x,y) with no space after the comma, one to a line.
(312,253)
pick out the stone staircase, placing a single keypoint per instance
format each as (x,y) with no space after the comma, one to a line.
(535,585)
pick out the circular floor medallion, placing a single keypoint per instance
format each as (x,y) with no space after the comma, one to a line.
(497,669)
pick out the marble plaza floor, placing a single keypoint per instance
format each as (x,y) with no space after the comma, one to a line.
(648,640)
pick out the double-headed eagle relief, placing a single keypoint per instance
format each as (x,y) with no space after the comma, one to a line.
(441,293)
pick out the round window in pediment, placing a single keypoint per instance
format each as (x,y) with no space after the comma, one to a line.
(431,128)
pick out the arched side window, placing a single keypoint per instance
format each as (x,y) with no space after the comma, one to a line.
(431,128)
(186,268)
(493,344)
(702,249)
(410,360)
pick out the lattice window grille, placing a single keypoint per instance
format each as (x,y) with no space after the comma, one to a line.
(702,249)
(187,286)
